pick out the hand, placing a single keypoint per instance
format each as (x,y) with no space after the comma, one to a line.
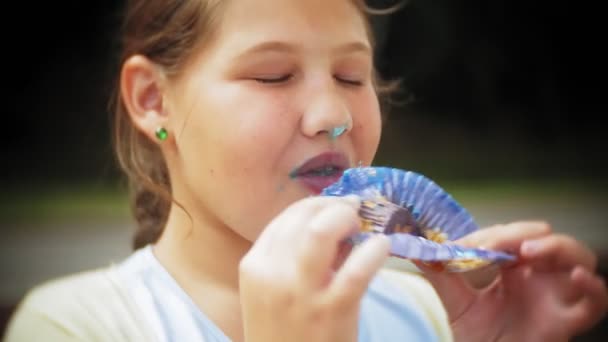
(296,283)
(551,294)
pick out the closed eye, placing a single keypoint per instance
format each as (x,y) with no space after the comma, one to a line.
(348,81)
(273,79)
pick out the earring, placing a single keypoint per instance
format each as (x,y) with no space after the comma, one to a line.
(161,133)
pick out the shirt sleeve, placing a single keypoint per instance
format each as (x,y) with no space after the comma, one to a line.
(29,324)
(81,307)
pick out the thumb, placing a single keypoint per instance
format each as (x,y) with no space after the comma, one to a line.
(453,289)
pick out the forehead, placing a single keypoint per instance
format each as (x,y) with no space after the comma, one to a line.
(318,21)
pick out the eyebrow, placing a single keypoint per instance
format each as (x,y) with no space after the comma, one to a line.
(354,47)
(279,46)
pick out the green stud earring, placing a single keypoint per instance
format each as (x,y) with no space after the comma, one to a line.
(161,133)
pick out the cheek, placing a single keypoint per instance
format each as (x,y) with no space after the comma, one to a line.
(248,135)
(243,123)
(234,135)
(234,153)
(258,134)
(367,126)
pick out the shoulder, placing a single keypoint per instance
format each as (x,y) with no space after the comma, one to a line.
(67,289)
(87,305)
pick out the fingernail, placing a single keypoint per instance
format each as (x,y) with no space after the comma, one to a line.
(578,273)
(530,247)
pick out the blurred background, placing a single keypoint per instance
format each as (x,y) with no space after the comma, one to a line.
(501,105)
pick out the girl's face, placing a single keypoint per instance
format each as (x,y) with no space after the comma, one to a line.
(258,106)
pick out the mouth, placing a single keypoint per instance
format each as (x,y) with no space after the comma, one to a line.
(320,171)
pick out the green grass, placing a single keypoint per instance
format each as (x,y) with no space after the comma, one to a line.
(533,190)
(64,203)
(94,202)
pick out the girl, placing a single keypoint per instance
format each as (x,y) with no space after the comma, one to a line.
(230,115)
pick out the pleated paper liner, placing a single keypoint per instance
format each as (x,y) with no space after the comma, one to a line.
(420,218)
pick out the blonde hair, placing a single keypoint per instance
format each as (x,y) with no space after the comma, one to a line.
(166,32)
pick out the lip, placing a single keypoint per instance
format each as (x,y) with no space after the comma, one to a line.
(315,183)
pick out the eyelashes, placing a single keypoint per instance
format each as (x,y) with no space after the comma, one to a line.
(347,81)
(274,79)
(280,79)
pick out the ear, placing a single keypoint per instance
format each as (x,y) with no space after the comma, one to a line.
(141,86)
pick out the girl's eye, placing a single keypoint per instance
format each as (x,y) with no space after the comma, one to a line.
(350,82)
(273,79)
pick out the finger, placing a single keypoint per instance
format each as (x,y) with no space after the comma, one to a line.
(558,251)
(594,304)
(285,229)
(351,281)
(297,212)
(482,277)
(453,289)
(506,237)
(343,252)
(321,239)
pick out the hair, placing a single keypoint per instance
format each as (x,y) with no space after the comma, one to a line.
(167,32)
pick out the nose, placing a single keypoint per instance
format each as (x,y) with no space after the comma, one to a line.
(327,113)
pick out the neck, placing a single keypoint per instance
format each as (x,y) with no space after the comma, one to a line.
(203,255)
(206,248)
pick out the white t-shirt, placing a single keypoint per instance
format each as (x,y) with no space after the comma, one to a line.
(138,300)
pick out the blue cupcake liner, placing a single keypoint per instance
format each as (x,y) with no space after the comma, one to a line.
(437,217)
